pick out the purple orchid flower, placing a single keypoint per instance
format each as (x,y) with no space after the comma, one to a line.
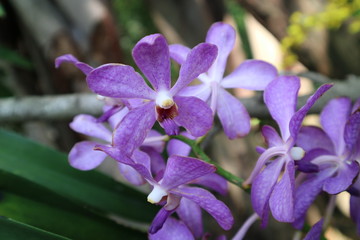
(251,74)
(268,192)
(332,158)
(171,189)
(164,104)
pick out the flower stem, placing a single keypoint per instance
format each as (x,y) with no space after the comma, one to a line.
(202,155)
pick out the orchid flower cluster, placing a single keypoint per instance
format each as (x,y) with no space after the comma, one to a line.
(299,163)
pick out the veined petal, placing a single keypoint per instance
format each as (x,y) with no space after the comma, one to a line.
(232,114)
(198,61)
(118,81)
(209,203)
(282,197)
(151,54)
(134,128)
(344,178)
(352,130)
(311,137)
(86,69)
(89,126)
(223,36)
(173,230)
(181,170)
(213,182)
(333,119)
(179,53)
(83,156)
(177,147)
(263,185)
(190,213)
(251,74)
(272,138)
(201,91)
(194,115)
(299,116)
(280,97)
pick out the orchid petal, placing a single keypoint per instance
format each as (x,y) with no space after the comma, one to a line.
(198,61)
(83,156)
(223,36)
(282,197)
(88,125)
(194,115)
(272,138)
(352,130)
(213,182)
(130,174)
(306,165)
(86,69)
(251,74)
(151,54)
(181,170)
(173,230)
(263,185)
(315,231)
(344,178)
(190,213)
(133,129)
(159,220)
(177,147)
(202,91)
(233,115)
(299,116)
(209,203)
(179,53)
(118,81)
(157,161)
(280,97)
(311,137)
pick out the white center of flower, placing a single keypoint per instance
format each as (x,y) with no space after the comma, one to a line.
(297,153)
(164,100)
(156,194)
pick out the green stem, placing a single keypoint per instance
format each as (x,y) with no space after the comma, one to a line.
(202,155)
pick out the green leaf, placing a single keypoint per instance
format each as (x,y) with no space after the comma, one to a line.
(62,221)
(14,230)
(14,58)
(35,168)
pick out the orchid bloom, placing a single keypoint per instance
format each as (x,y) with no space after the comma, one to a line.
(251,74)
(332,158)
(268,192)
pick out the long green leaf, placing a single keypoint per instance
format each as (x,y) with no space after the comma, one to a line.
(49,169)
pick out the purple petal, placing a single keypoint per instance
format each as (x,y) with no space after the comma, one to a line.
(86,69)
(83,156)
(181,170)
(311,137)
(305,164)
(344,178)
(179,53)
(233,115)
(173,230)
(190,213)
(299,116)
(280,97)
(263,185)
(130,174)
(272,138)
(213,182)
(159,220)
(115,119)
(282,197)
(155,140)
(118,81)
(315,231)
(177,147)
(333,119)
(305,195)
(151,54)
(223,36)
(209,203)
(355,211)
(251,74)
(198,61)
(352,130)
(194,115)
(134,128)
(89,126)
(201,91)
(157,161)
